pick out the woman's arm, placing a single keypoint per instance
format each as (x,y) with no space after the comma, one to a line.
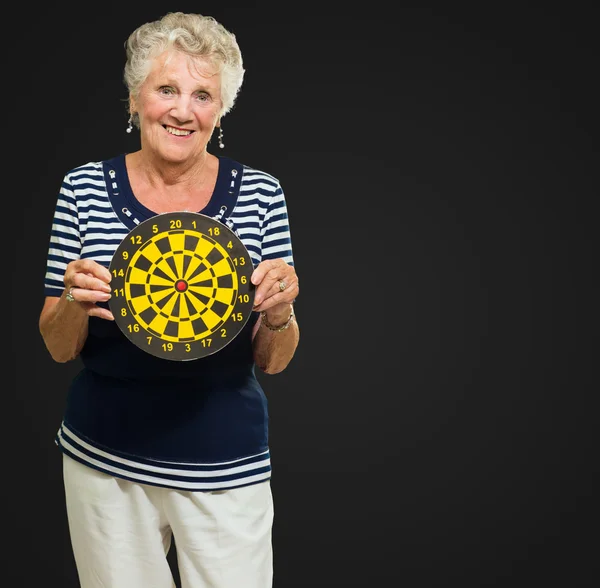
(275,338)
(276,333)
(64,327)
(64,324)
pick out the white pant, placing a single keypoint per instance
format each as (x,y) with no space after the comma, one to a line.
(121,532)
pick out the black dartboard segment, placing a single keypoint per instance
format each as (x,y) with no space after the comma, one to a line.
(181,286)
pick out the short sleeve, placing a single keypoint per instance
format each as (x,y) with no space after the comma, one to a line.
(65,240)
(276,240)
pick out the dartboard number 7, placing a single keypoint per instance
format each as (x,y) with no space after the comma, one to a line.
(181,286)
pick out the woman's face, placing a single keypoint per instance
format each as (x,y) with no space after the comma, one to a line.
(178,106)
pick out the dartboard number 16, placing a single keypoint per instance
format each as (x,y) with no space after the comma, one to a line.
(181,286)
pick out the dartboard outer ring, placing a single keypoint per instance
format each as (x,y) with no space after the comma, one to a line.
(180,286)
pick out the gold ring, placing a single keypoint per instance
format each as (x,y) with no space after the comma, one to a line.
(282,285)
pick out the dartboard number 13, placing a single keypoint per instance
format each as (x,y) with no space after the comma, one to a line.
(181,286)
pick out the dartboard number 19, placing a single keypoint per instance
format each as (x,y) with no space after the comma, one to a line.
(181,286)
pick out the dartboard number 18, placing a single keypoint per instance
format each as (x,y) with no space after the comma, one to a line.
(181,286)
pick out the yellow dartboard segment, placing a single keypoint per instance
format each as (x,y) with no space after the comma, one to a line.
(181,286)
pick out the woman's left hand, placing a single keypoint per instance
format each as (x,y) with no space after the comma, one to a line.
(276,283)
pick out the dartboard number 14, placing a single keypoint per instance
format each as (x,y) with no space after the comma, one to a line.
(181,286)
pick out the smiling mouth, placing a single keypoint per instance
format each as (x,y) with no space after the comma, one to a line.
(177,132)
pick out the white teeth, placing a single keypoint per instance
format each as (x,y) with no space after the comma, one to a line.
(177,131)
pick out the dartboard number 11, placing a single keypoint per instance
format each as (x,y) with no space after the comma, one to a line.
(181,286)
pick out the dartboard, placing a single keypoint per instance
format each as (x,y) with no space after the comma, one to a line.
(181,286)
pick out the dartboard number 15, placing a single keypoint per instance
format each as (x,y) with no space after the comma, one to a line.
(181,286)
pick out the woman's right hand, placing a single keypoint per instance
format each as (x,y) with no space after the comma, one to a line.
(88,283)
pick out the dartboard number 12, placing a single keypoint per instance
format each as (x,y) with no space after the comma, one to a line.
(181,286)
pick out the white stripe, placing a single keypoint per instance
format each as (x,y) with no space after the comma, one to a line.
(55,277)
(169,483)
(99,248)
(249,211)
(277,252)
(100,215)
(250,242)
(254,187)
(95,182)
(83,192)
(66,217)
(173,471)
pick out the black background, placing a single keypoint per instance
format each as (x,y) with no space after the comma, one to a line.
(435,427)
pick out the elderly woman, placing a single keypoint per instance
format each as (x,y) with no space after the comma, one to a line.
(154,449)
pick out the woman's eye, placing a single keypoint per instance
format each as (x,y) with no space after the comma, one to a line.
(166,90)
(203,97)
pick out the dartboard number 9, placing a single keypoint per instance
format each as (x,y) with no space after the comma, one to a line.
(181,286)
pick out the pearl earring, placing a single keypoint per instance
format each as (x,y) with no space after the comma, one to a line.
(221,144)
(130,127)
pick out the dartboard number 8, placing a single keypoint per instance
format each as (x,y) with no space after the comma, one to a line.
(181,286)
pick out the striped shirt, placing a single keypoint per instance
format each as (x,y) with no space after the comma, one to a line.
(190,425)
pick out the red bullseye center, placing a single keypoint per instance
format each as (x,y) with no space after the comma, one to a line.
(181,285)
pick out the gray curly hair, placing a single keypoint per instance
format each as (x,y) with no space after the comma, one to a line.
(193,34)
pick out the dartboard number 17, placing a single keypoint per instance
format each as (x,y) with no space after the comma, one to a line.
(181,286)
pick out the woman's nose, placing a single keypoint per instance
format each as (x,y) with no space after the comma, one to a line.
(182,109)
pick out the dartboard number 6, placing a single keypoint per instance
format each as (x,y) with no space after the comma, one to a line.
(181,286)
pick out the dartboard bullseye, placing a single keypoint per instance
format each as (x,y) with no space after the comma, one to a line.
(181,286)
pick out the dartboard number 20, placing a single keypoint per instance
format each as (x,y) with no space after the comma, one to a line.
(181,286)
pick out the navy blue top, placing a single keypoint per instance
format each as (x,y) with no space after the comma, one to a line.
(192,425)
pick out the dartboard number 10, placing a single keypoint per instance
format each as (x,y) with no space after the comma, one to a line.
(181,286)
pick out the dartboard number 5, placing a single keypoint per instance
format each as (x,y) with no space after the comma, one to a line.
(181,286)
